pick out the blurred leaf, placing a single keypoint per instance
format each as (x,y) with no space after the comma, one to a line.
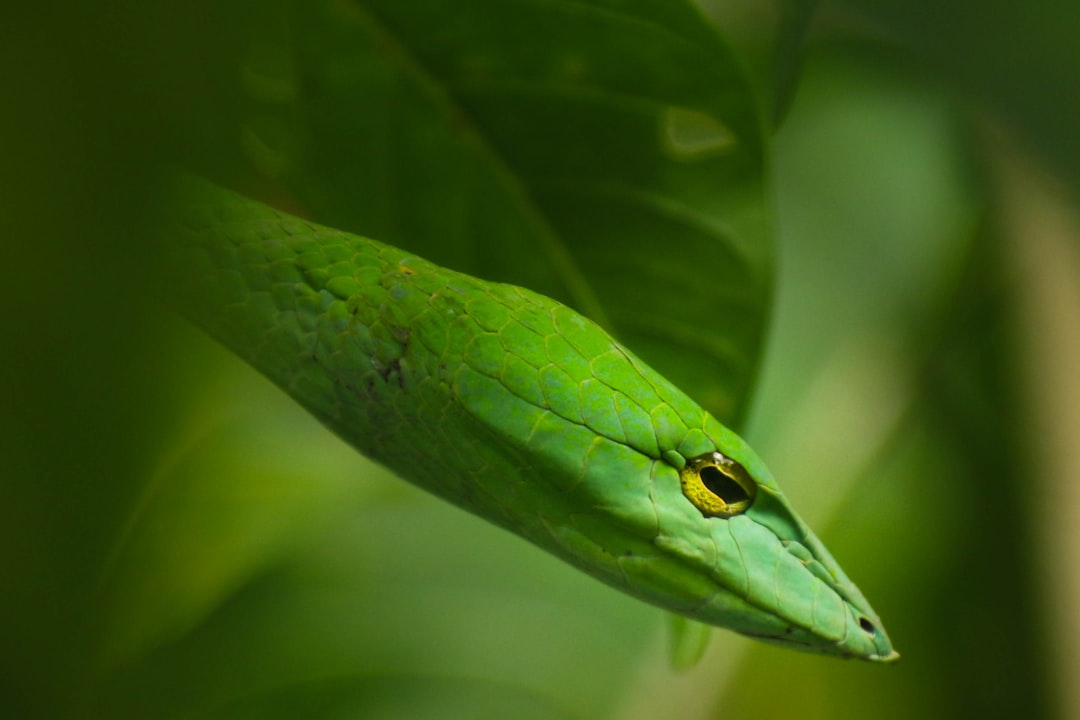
(399,584)
(391,697)
(608,154)
(1017,60)
(794,25)
(249,480)
(875,220)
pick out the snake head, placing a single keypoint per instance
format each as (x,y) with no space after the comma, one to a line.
(665,502)
(776,581)
(709,535)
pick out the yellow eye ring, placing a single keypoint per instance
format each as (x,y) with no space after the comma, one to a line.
(717,485)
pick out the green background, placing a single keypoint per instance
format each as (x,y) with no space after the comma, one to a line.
(869,265)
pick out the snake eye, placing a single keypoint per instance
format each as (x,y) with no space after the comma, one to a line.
(717,485)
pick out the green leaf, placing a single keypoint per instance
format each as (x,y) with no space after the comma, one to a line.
(605,153)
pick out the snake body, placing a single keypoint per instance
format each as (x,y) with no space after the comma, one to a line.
(516,408)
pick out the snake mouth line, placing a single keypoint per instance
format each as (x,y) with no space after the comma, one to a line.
(891,657)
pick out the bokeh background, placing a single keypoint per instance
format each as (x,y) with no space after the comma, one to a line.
(178,540)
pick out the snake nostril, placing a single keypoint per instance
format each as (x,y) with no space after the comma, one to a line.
(867,626)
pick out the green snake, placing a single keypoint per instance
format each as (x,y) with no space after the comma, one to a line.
(520,410)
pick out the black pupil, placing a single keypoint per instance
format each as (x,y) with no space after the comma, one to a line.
(722,486)
(866,625)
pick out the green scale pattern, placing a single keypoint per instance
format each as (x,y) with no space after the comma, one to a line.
(514,407)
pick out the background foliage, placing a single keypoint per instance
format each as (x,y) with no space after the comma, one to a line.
(177,540)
